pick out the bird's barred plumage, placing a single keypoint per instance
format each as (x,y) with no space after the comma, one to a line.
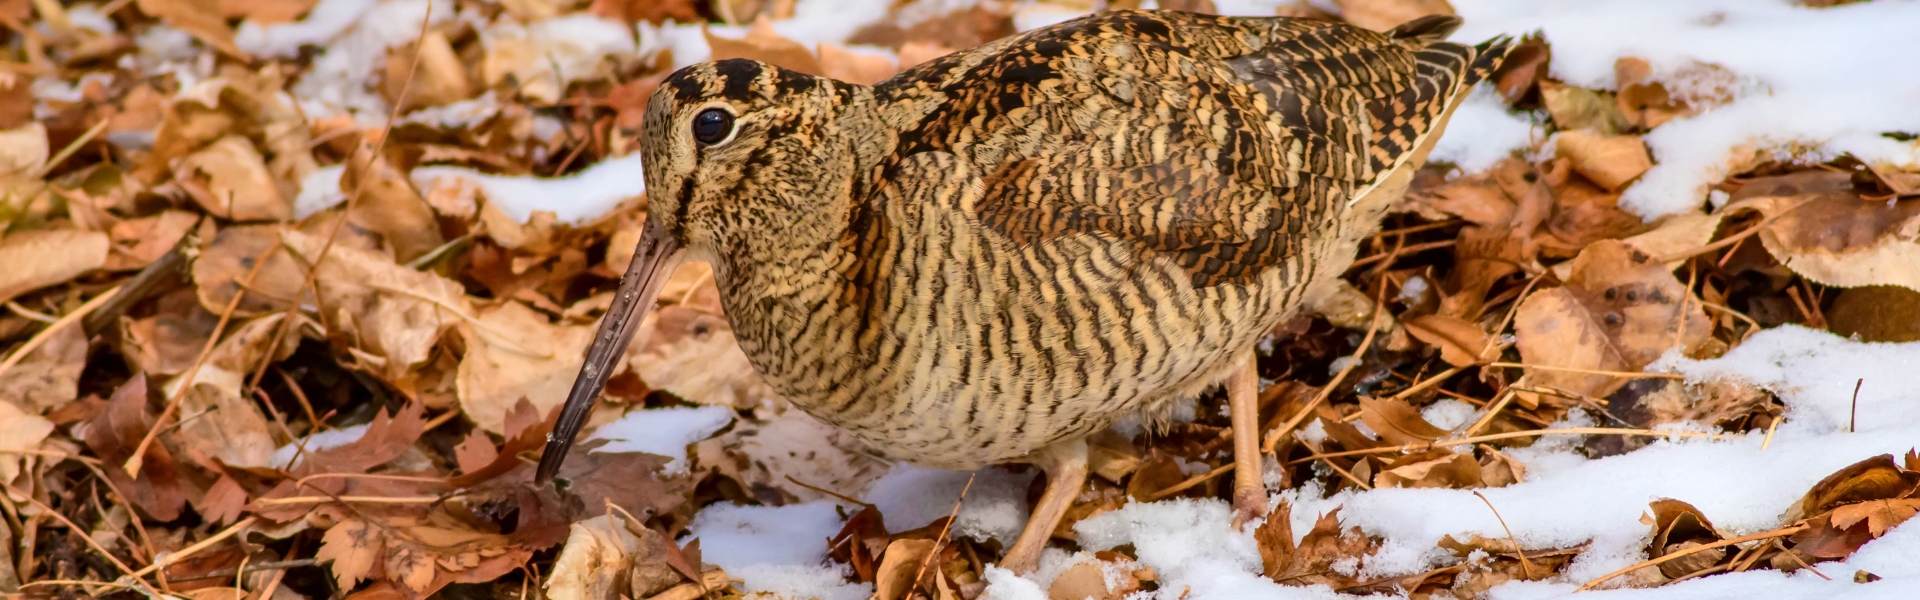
(1020,243)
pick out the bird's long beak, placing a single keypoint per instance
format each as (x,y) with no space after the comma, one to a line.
(653,261)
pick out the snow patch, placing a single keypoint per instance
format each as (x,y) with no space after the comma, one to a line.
(778,549)
(995,508)
(663,431)
(574,200)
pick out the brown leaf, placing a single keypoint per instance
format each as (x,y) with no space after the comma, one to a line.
(694,354)
(1578,108)
(113,435)
(1645,103)
(439,77)
(1312,560)
(38,259)
(1474,198)
(1618,312)
(1523,70)
(1610,161)
(20,431)
(1382,15)
(1876,478)
(651,11)
(1437,468)
(386,438)
(1274,538)
(16,101)
(898,567)
(1583,214)
(764,44)
(597,559)
(265,12)
(1204,7)
(1826,541)
(514,353)
(1880,515)
(1460,343)
(1083,581)
(1677,526)
(229,179)
(48,378)
(201,18)
(852,67)
(396,314)
(1396,421)
(224,501)
(1497,469)
(138,242)
(389,205)
(1839,239)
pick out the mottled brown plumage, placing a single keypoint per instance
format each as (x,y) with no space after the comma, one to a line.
(997,252)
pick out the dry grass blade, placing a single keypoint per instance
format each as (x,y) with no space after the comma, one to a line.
(1700,548)
(1515,435)
(1526,566)
(95,544)
(45,334)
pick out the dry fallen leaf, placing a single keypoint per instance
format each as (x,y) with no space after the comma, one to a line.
(1610,161)
(1382,15)
(1461,343)
(394,314)
(113,434)
(1397,422)
(1437,468)
(201,18)
(1678,526)
(20,437)
(764,44)
(1840,239)
(1576,108)
(48,378)
(1618,311)
(438,78)
(605,557)
(229,179)
(389,205)
(38,259)
(852,67)
(514,353)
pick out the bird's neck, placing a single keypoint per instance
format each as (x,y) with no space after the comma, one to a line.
(789,276)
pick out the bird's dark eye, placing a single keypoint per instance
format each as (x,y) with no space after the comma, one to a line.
(711,126)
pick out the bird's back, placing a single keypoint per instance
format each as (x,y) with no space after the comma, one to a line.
(1089,219)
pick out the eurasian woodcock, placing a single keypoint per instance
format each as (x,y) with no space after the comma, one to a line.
(998,252)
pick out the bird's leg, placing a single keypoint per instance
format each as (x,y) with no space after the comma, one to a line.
(1243,399)
(1066,466)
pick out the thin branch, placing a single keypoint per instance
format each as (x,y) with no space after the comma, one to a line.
(1700,548)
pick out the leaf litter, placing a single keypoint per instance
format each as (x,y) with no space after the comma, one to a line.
(1650,309)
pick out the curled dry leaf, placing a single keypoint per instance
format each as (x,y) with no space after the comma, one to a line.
(1875,478)
(37,259)
(394,314)
(229,179)
(693,354)
(1678,526)
(764,44)
(607,557)
(1610,161)
(389,205)
(1461,343)
(513,353)
(201,18)
(1618,311)
(1397,422)
(853,67)
(216,419)
(138,242)
(1576,108)
(159,490)
(49,378)
(1840,239)
(898,566)
(1312,560)
(1644,102)
(1437,468)
(20,435)
(1382,15)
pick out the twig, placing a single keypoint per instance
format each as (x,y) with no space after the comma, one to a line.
(41,338)
(1853,411)
(1493,410)
(942,540)
(1771,427)
(349,500)
(1359,354)
(1188,484)
(1627,374)
(1512,435)
(183,553)
(139,456)
(1526,566)
(1416,248)
(1700,548)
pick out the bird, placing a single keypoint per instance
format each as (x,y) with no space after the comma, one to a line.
(996,253)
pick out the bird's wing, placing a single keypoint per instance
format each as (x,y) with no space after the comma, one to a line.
(1214,142)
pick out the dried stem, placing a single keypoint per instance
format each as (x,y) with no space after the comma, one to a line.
(1700,548)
